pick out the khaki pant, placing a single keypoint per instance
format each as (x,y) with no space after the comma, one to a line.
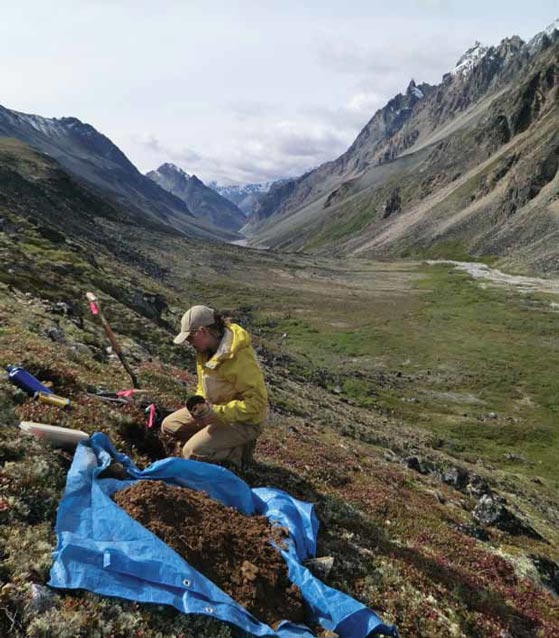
(210,443)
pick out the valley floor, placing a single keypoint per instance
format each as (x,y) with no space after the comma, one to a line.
(405,397)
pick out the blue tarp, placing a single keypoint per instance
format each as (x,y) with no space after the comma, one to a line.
(102,549)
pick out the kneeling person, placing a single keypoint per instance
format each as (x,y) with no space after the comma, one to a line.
(230,380)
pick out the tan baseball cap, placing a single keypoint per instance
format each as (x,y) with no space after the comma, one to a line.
(194,318)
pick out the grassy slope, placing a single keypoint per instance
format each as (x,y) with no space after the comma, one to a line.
(493,347)
(379,361)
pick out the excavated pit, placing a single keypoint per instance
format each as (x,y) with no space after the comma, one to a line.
(229,548)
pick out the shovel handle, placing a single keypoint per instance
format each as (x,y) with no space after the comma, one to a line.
(96,310)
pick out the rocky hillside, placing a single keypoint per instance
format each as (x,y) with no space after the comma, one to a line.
(439,165)
(203,201)
(93,159)
(427,444)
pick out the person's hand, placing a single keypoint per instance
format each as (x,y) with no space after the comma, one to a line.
(184,431)
(209,417)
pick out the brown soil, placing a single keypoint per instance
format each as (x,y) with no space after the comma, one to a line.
(231,549)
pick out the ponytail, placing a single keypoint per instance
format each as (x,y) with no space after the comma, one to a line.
(219,325)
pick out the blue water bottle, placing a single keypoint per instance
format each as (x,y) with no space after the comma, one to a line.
(25,380)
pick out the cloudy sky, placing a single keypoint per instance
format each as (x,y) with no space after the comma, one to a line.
(239,90)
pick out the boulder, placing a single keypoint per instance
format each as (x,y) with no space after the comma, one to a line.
(477,486)
(491,510)
(55,333)
(62,308)
(151,305)
(548,571)
(78,349)
(456,477)
(415,463)
(475,531)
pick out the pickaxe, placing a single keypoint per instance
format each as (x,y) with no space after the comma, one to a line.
(97,312)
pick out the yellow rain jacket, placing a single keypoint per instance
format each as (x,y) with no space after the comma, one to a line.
(232,381)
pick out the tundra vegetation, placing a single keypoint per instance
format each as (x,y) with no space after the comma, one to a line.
(414,407)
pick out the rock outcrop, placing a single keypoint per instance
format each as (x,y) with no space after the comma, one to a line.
(472,162)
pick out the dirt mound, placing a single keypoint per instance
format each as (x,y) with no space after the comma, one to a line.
(231,549)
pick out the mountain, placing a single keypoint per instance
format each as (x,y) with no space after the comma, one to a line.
(245,196)
(427,444)
(544,38)
(469,60)
(70,225)
(91,157)
(441,165)
(203,201)
(418,420)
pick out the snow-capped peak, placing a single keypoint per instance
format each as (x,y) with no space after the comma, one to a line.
(554,26)
(536,42)
(240,189)
(413,89)
(469,60)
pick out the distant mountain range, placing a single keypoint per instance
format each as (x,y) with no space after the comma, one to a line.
(469,165)
(245,196)
(466,167)
(204,202)
(92,158)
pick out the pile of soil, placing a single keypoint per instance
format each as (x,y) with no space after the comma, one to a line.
(229,548)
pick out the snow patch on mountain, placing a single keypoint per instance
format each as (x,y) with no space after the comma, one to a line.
(549,33)
(246,196)
(240,190)
(554,26)
(469,60)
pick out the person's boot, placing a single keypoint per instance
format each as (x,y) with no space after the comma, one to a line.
(247,456)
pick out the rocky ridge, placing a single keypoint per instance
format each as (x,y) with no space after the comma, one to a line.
(440,133)
(92,158)
(205,203)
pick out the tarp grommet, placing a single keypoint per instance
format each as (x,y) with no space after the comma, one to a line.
(209,610)
(186,582)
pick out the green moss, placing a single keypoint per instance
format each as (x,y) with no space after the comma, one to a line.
(358,356)
(453,250)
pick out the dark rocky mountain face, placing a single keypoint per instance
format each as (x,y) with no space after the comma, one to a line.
(272,200)
(431,154)
(204,202)
(94,159)
(398,126)
(386,124)
(36,192)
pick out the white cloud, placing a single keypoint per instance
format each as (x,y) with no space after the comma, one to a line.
(238,91)
(382,65)
(159,149)
(284,148)
(365,101)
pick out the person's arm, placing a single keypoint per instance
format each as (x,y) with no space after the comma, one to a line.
(250,387)
(210,417)
(199,372)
